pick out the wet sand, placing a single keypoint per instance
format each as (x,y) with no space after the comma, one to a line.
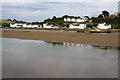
(70,37)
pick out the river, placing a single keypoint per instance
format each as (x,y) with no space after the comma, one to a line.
(41,59)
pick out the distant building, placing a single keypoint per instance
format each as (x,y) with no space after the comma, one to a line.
(116,14)
(75,19)
(78,26)
(31,26)
(104,26)
(20,25)
(49,26)
(16,25)
(86,18)
(76,22)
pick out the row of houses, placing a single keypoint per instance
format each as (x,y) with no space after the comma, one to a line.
(19,25)
(71,26)
(79,23)
(76,19)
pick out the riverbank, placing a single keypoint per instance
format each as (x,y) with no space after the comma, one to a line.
(64,36)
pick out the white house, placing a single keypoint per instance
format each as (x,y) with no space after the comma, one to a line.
(78,20)
(79,26)
(49,26)
(74,20)
(67,19)
(104,26)
(31,26)
(16,25)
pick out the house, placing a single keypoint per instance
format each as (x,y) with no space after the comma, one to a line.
(78,26)
(69,19)
(16,25)
(75,19)
(116,14)
(86,18)
(31,26)
(104,26)
(76,22)
(49,26)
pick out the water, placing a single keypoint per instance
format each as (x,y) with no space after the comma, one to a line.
(41,59)
(0,59)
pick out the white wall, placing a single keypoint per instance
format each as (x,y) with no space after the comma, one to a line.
(104,26)
(65,19)
(80,26)
(68,19)
(47,26)
(18,25)
(31,26)
(74,20)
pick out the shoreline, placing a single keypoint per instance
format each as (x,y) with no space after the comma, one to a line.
(63,37)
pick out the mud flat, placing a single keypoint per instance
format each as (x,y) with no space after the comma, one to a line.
(70,37)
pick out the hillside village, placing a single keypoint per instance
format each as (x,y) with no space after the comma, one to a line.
(103,21)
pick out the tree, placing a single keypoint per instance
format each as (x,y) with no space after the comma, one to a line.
(100,16)
(89,25)
(54,17)
(65,16)
(14,20)
(87,17)
(35,23)
(105,13)
(9,19)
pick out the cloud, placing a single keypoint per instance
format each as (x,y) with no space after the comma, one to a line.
(38,11)
(14,1)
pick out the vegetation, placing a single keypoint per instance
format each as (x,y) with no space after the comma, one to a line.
(5,23)
(55,21)
(107,18)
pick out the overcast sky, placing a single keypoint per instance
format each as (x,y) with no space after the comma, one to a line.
(38,10)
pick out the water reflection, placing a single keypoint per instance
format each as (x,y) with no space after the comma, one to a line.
(81,45)
(106,47)
(38,59)
(54,43)
(65,44)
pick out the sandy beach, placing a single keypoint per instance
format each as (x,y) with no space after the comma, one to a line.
(70,37)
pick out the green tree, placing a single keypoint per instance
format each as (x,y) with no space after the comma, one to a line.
(105,13)
(54,17)
(100,16)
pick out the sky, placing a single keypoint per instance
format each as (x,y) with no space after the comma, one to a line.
(39,10)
